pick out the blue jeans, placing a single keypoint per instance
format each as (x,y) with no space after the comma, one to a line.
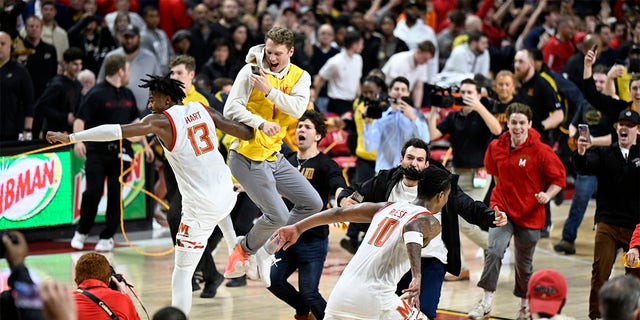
(308,257)
(585,186)
(433,271)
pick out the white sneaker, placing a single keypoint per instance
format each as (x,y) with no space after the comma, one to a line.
(265,261)
(105,245)
(78,240)
(480,311)
(506,259)
(523,314)
(252,270)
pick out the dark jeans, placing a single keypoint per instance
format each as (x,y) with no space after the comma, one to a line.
(585,187)
(308,258)
(433,271)
(97,168)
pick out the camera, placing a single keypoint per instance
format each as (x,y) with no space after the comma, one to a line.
(119,277)
(443,97)
(2,248)
(377,106)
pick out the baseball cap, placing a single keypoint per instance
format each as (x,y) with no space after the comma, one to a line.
(547,289)
(131,31)
(579,36)
(630,116)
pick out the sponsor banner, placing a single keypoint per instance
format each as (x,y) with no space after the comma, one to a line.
(35,191)
(45,189)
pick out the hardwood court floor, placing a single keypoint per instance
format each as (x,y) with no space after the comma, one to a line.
(152,276)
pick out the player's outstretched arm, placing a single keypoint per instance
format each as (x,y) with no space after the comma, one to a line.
(234,128)
(155,123)
(363,212)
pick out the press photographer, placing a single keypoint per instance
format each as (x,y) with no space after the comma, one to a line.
(398,123)
(94,298)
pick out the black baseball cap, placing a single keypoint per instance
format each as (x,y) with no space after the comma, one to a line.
(629,116)
(131,31)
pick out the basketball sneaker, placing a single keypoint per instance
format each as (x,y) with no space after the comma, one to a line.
(237,264)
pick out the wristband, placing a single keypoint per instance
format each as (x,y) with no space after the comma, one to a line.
(413,237)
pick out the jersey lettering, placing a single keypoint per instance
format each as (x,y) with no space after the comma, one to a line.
(202,132)
(383,231)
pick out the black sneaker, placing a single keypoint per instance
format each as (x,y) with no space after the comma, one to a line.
(211,288)
(565,246)
(194,284)
(237,282)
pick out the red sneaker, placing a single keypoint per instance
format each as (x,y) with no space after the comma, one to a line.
(237,264)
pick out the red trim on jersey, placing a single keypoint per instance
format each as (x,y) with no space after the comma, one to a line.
(173,129)
(385,206)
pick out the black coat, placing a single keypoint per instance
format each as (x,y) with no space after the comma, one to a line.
(617,201)
(378,189)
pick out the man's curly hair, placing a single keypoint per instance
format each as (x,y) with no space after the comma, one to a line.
(165,85)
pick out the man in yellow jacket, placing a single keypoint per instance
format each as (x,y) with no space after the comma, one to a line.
(268,91)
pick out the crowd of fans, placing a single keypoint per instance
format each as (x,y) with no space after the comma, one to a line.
(383,71)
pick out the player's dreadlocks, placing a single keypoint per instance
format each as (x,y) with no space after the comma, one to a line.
(165,85)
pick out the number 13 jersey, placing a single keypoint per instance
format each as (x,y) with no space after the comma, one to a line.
(204,180)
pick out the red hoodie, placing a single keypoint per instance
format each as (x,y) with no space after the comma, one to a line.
(528,169)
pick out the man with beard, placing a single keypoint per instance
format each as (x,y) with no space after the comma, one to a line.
(143,62)
(537,94)
(471,57)
(61,99)
(443,253)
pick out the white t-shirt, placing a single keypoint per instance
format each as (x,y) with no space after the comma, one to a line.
(402,64)
(203,177)
(412,37)
(367,285)
(343,75)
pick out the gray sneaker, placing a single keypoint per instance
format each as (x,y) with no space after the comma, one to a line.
(523,314)
(480,311)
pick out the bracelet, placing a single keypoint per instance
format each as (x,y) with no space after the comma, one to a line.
(413,237)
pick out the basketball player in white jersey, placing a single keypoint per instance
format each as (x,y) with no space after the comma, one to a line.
(391,246)
(188,135)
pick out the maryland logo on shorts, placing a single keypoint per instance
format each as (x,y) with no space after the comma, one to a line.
(183,230)
(408,312)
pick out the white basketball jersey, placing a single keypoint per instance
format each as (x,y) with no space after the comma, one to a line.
(203,177)
(371,276)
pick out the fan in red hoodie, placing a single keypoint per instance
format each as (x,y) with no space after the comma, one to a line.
(523,167)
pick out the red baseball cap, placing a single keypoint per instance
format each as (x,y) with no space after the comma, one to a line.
(547,289)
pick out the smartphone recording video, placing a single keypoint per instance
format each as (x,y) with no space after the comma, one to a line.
(583,131)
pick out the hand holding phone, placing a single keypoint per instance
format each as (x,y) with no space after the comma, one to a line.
(356,196)
(255,70)
(583,131)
